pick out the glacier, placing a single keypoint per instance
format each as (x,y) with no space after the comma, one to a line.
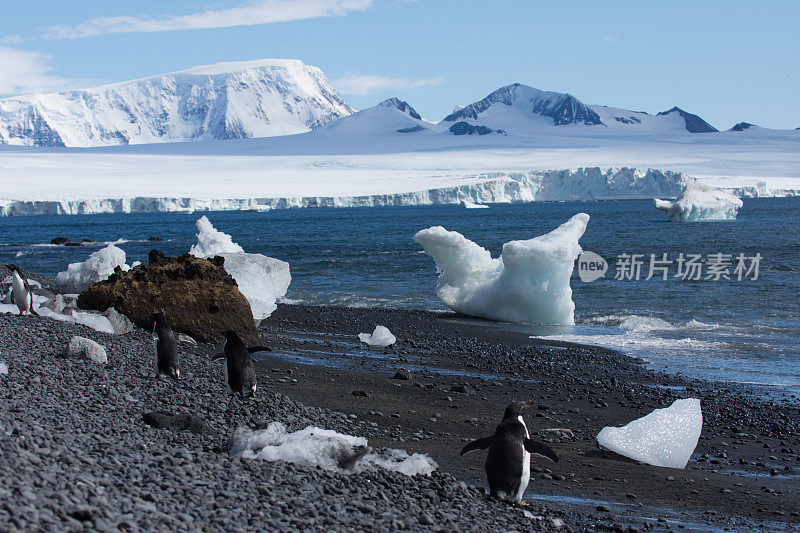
(236,100)
(261,279)
(528,283)
(581,184)
(666,437)
(698,203)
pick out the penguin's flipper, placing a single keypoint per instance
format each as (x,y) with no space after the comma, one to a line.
(218,356)
(480,444)
(537,448)
(256,349)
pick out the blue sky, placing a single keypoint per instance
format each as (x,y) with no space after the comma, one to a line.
(727,61)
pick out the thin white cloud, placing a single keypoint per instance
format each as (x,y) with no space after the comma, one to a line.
(26,72)
(11,39)
(252,13)
(362,84)
(611,38)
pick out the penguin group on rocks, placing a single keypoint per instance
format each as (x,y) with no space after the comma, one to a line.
(509,449)
(508,463)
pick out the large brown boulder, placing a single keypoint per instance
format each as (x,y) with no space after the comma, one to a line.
(197,295)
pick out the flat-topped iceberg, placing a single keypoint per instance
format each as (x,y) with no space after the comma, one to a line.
(665,437)
(99,266)
(698,202)
(529,282)
(261,279)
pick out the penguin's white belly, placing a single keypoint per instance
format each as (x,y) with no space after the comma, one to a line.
(526,467)
(526,475)
(21,297)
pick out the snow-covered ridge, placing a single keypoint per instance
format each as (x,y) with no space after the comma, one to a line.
(261,98)
(551,185)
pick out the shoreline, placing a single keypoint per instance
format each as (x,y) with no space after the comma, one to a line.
(743,475)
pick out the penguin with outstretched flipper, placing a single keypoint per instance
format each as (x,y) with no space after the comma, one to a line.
(508,463)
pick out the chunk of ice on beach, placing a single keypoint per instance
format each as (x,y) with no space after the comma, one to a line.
(99,266)
(3,368)
(313,446)
(665,437)
(698,202)
(381,337)
(529,282)
(261,279)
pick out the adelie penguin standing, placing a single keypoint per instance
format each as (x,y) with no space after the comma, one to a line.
(21,293)
(166,347)
(508,464)
(239,371)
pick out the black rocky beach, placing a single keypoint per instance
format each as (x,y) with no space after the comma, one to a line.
(78,453)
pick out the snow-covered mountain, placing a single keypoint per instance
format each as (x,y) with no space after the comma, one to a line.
(520,102)
(392,116)
(519,108)
(260,98)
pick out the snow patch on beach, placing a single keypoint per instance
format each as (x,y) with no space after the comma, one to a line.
(3,369)
(528,283)
(328,449)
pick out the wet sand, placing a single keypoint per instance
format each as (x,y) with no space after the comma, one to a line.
(745,472)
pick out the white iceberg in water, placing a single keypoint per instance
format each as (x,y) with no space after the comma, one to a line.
(99,266)
(261,279)
(529,282)
(698,202)
(665,437)
(381,337)
(467,204)
(328,449)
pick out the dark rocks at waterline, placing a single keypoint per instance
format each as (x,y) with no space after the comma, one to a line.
(75,453)
(197,295)
(65,241)
(402,374)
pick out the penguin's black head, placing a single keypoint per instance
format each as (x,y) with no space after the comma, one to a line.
(13,267)
(159,318)
(516,409)
(231,335)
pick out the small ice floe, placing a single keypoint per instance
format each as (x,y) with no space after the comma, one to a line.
(467,204)
(666,437)
(87,349)
(380,338)
(3,369)
(700,203)
(529,282)
(99,266)
(328,449)
(261,279)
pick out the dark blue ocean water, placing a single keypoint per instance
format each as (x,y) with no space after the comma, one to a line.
(746,331)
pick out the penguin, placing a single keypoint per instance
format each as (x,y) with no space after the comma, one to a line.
(240,374)
(166,347)
(21,293)
(508,464)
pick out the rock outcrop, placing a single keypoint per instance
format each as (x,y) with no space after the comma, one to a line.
(198,296)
